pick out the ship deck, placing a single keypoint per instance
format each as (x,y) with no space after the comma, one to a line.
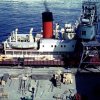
(14,89)
(86,83)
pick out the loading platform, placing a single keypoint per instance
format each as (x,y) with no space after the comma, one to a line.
(90,57)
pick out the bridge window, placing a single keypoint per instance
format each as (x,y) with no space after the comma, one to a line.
(83,32)
(51,45)
(61,45)
(9,52)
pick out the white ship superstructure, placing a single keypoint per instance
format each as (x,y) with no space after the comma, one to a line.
(25,45)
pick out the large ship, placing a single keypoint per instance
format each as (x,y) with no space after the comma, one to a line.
(52,47)
(45,48)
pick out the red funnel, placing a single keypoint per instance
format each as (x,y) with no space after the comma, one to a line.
(47,19)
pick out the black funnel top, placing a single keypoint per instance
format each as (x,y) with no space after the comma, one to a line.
(47,16)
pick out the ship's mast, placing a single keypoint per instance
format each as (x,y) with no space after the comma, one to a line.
(16,31)
(30,35)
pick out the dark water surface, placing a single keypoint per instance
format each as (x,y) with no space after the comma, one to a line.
(24,14)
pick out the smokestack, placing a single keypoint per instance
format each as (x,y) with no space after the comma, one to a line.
(47,20)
